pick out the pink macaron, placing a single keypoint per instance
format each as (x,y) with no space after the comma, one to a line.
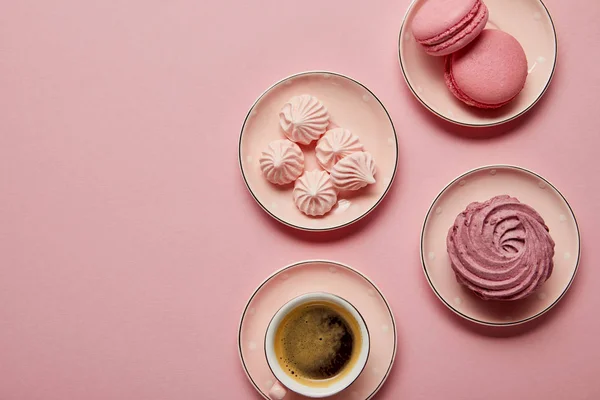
(488,73)
(445,26)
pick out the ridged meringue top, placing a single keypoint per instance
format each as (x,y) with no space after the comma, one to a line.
(304,119)
(314,193)
(501,249)
(282,162)
(336,144)
(354,171)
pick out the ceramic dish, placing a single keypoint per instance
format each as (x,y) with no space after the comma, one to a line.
(527,20)
(481,184)
(318,276)
(351,105)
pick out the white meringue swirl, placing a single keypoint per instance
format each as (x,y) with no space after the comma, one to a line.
(354,171)
(282,162)
(304,119)
(314,193)
(334,145)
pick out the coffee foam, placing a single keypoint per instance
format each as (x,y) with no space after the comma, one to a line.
(317,343)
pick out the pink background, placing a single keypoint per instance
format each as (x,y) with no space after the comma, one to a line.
(129,243)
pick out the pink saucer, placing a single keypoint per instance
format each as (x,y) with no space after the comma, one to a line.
(481,184)
(527,20)
(319,276)
(351,105)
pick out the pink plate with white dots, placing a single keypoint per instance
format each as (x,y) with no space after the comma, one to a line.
(527,20)
(479,185)
(319,276)
(352,106)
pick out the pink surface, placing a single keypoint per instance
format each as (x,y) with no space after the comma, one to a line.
(129,242)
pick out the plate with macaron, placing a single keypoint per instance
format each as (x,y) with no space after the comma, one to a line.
(318,151)
(500,245)
(478,62)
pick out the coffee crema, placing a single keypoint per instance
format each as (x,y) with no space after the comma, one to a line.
(317,343)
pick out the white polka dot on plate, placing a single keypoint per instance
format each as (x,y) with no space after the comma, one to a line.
(537,16)
(407,37)
(252,311)
(285,276)
(542,185)
(567,255)
(273,205)
(431,255)
(542,296)
(458,301)
(371,293)
(462,183)
(375,371)
(420,89)
(249,159)
(438,210)
(326,76)
(269,383)
(541,60)
(385,328)
(391,140)
(288,82)
(450,113)
(333,270)
(366,98)
(493,172)
(252,345)
(562,217)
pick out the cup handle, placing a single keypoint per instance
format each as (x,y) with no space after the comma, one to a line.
(277,391)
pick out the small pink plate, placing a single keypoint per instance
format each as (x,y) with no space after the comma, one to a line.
(351,105)
(479,185)
(319,276)
(527,20)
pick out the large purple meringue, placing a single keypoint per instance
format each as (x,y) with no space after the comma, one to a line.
(500,249)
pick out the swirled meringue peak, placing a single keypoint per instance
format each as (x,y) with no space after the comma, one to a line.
(354,171)
(304,119)
(314,193)
(501,249)
(282,162)
(334,145)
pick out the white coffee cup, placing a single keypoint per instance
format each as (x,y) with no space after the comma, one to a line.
(285,382)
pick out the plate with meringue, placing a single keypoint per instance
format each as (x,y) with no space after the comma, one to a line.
(500,245)
(318,151)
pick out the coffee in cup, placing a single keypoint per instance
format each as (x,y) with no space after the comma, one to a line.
(316,345)
(317,342)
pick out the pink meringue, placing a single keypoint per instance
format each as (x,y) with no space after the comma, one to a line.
(303,119)
(334,145)
(354,171)
(314,193)
(501,249)
(282,162)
